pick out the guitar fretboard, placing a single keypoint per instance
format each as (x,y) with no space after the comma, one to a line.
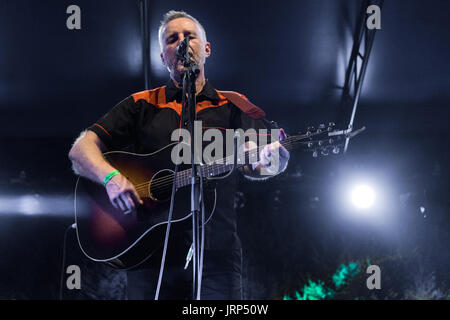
(225,165)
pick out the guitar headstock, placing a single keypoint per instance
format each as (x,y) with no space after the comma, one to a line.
(325,139)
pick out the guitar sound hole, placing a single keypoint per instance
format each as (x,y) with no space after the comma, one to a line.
(160,188)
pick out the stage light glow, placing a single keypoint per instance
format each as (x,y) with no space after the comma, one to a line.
(133,55)
(29,205)
(34,204)
(366,197)
(362,196)
(155,59)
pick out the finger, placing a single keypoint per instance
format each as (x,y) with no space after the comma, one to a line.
(119,204)
(126,203)
(114,203)
(284,153)
(267,151)
(135,196)
(283,135)
(130,201)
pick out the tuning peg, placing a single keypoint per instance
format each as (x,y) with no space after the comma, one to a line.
(336,150)
(310,144)
(315,154)
(321,128)
(324,152)
(320,142)
(331,126)
(310,131)
(330,141)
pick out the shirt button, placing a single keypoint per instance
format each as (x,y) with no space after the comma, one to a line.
(185,123)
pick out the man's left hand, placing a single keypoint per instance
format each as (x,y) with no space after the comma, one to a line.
(274,157)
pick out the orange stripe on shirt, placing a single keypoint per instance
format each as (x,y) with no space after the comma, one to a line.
(154,96)
(208,104)
(157,97)
(96,124)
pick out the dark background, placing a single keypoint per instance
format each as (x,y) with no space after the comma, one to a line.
(288,57)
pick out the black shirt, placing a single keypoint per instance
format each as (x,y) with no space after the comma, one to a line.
(145,121)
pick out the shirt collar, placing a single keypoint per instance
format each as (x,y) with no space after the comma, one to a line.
(208,92)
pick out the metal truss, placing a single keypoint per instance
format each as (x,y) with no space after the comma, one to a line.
(362,45)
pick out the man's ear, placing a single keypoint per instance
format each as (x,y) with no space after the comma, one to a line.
(162,59)
(207,49)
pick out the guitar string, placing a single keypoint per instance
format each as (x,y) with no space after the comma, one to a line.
(160,184)
(164,182)
(186,173)
(225,160)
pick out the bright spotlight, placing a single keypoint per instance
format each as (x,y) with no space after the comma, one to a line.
(36,205)
(362,196)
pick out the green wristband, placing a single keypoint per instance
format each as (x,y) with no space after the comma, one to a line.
(109,176)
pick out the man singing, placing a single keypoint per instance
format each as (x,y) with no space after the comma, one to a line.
(145,121)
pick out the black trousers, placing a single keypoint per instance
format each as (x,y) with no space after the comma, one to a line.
(221,278)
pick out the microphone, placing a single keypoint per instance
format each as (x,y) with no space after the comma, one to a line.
(182,49)
(182,53)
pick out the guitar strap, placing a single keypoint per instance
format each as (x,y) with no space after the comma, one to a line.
(242,103)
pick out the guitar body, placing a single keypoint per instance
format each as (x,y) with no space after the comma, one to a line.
(106,234)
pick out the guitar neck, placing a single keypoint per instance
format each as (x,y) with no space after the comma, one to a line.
(226,164)
(320,142)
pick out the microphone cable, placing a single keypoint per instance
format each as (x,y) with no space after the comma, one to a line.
(166,239)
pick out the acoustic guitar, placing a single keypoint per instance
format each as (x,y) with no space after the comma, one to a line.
(106,234)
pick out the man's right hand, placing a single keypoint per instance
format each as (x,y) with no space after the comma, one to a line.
(123,194)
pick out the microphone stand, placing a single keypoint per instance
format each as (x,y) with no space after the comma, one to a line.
(189,103)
